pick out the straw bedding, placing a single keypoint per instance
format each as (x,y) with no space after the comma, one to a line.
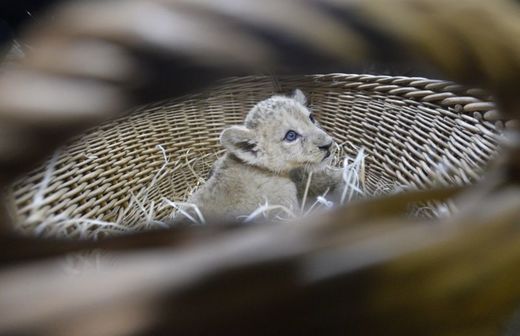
(128,173)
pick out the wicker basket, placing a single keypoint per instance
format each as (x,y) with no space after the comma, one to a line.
(417,132)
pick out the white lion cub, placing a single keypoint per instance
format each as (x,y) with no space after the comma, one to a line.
(279,136)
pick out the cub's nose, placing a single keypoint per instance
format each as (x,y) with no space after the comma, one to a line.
(325,147)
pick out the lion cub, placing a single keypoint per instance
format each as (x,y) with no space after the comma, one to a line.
(279,136)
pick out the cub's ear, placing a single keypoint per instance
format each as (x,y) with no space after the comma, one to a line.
(240,141)
(299,96)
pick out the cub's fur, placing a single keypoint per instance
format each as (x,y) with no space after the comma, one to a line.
(279,137)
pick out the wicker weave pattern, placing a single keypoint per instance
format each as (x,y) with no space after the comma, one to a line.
(416,131)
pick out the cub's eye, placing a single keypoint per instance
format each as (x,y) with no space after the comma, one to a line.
(311,117)
(291,136)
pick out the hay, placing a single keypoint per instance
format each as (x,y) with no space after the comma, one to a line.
(141,212)
(353,177)
(265,210)
(180,206)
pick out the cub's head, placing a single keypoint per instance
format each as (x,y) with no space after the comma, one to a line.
(279,134)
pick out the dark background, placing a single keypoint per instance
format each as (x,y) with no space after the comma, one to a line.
(15,13)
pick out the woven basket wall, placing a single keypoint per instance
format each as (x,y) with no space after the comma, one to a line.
(416,131)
